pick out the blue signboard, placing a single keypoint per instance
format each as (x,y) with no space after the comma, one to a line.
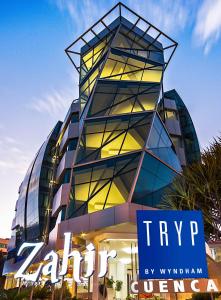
(171,244)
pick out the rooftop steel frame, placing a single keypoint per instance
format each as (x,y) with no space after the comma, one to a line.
(120,11)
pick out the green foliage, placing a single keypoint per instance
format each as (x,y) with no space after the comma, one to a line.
(38,293)
(3,295)
(109,282)
(66,294)
(200,189)
(118,286)
(130,298)
(204,296)
(11,293)
(23,295)
(41,293)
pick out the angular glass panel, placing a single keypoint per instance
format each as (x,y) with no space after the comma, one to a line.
(89,59)
(113,98)
(88,83)
(168,156)
(190,141)
(112,148)
(120,135)
(87,87)
(122,41)
(152,75)
(153,179)
(109,184)
(158,136)
(121,67)
(132,74)
(72,144)
(129,41)
(97,201)
(160,144)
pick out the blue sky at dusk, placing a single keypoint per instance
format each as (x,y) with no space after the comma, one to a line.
(38,82)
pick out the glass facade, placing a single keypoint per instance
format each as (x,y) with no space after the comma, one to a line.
(124,268)
(32,204)
(161,145)
(120,66)
(176,111)
(123,98)
(20,217)
(153,179)
(102,138)
(120,126)
(102,185)
(123,141)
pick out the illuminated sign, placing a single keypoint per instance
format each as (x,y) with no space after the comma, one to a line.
(50,267)
(176,286)
(171,244)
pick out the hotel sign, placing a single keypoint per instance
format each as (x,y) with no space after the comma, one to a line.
(171,245)
(55,266)
(176,286)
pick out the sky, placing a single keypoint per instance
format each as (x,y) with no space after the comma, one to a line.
(38,82)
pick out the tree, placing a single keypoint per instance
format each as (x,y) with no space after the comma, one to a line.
(2,278)
(199,188)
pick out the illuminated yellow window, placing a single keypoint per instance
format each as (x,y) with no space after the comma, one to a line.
(134,76)
(117,194)
(94,140)
(97,201)
(139,64)
(112,68)
(170,114)
(98,192)
(91,57)
(122,108)
(81,192)
(122,68)
(110,192)
(113,147)
(118,69)
(89,84)
(147,101)
(132,142)
(152,75)
(101,186)
(113,143)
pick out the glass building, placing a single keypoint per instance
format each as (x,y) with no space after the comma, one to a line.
(120,146)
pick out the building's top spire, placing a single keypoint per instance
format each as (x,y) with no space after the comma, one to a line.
(121,14)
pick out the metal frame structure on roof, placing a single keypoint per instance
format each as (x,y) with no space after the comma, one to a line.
(120,10)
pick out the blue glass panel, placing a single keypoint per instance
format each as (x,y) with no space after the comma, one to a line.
(168,156)
(158,136)
(153,179)
(160,144)
(191,144)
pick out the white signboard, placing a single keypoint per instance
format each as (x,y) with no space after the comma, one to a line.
(51,268)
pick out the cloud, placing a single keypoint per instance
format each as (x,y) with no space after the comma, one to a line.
(169,15)
(83,13)
(10,140)
(208,24)
(52,103)
(14,157)
(56,102)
